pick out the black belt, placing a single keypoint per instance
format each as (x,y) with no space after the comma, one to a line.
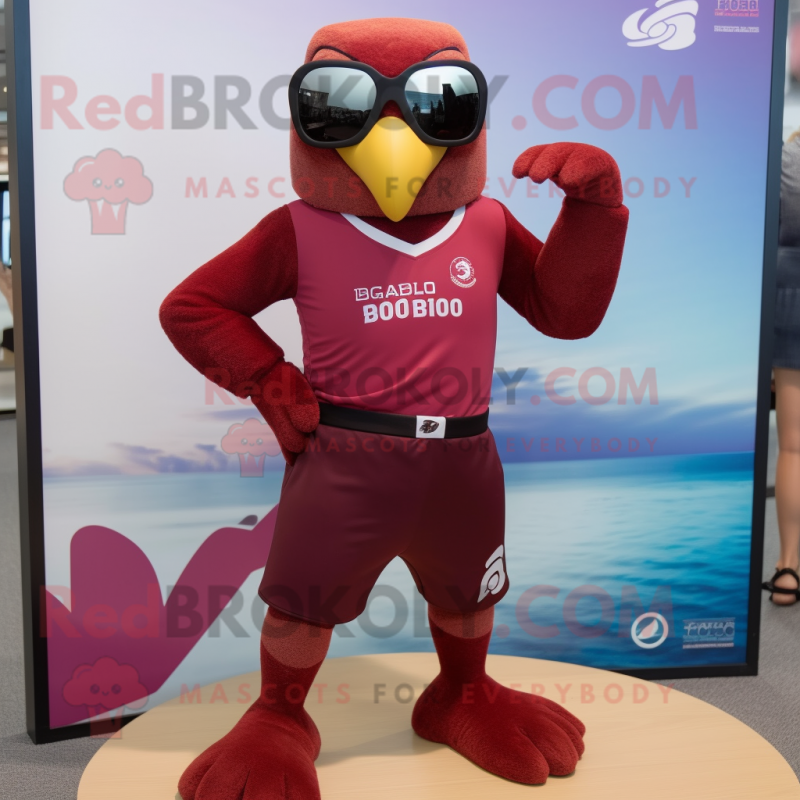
(419,427)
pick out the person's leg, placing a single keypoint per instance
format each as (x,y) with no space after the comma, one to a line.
(519,736)
(271,751)
(787,477)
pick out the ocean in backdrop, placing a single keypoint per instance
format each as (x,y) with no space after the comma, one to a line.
(674,529)
(611,538)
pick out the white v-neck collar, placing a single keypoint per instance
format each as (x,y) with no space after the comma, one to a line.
(414,250)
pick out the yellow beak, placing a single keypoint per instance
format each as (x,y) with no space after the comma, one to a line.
(394,164)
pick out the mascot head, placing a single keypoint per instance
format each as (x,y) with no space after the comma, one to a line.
(388,120)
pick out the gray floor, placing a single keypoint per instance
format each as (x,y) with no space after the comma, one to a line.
(27,771)
(769,703)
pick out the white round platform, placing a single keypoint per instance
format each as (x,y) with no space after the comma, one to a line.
(642,740)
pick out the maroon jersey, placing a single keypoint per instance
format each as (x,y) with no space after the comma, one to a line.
(393,326)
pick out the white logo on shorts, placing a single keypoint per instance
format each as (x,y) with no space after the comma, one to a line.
(495,578)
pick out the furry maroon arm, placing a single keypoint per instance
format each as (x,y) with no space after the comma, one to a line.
(208,318)
(564,286)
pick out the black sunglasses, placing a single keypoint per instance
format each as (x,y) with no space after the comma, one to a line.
(336,103)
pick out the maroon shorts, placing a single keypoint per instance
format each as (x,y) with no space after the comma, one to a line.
(354,501)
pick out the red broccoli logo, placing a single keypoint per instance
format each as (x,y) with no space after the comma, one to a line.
(105,685)
(109,181)
(252,441)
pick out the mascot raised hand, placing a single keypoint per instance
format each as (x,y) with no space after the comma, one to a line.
(394,260)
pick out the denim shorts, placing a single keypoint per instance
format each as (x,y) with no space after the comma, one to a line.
(786,354)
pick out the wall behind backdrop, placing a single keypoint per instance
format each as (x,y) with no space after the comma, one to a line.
(629,457)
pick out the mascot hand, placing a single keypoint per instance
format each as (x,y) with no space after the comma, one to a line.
(289,406)
(582,171)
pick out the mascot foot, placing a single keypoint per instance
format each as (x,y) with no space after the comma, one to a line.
(267,756)
(518,736)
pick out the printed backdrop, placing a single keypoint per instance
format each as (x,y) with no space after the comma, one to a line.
(161,137)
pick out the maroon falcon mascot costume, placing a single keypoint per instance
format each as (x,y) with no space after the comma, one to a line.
(361,487)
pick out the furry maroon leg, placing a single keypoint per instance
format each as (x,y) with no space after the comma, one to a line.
(269,754)
(519,736)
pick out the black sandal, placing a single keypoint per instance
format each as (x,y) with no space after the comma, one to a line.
(770,586)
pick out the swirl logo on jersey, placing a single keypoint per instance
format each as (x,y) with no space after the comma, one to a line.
(671,26)
(495,577)
(462,273)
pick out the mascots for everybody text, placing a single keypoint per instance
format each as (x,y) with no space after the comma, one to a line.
(394,261)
